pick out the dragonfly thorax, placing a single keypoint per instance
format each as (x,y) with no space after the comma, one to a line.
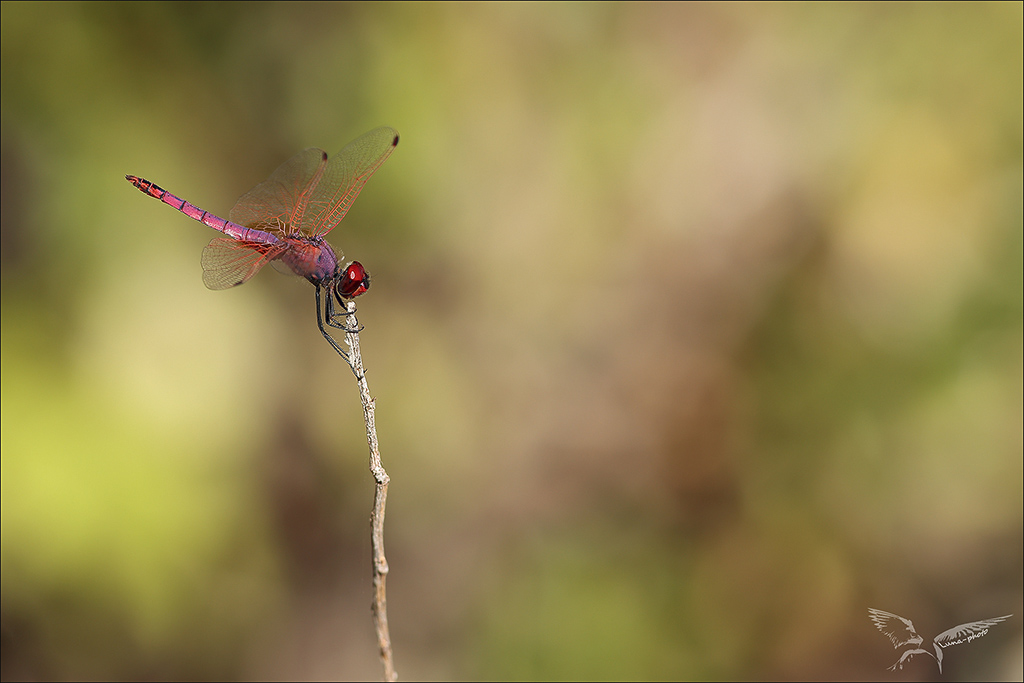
(311,258)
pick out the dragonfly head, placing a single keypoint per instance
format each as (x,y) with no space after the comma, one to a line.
(352,281)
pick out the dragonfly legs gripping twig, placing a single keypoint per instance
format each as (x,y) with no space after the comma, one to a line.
(327,312)
(339,320)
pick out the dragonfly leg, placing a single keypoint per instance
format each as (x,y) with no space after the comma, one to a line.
(320,324)
(336,320)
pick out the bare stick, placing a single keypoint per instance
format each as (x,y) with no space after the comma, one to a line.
(380,497)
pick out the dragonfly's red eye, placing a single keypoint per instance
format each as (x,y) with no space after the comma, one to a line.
(353,282)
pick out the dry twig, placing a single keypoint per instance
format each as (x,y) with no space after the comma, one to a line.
(380,496)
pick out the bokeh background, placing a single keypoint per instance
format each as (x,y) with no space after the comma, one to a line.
(696,331)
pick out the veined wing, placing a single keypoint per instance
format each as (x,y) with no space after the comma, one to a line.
(347,171)
(228,262)
(279,203)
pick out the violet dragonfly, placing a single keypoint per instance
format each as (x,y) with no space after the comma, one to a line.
(286,218)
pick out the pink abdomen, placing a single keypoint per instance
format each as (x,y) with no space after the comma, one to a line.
(239,232)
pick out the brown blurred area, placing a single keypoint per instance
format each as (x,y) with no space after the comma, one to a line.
(695,332)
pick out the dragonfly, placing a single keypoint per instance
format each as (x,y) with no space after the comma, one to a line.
(286,218)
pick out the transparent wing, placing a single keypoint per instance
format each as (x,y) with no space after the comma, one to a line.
(347,171)
(278,204)
(228,263)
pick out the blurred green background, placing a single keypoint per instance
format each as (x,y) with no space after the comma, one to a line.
(696,331)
